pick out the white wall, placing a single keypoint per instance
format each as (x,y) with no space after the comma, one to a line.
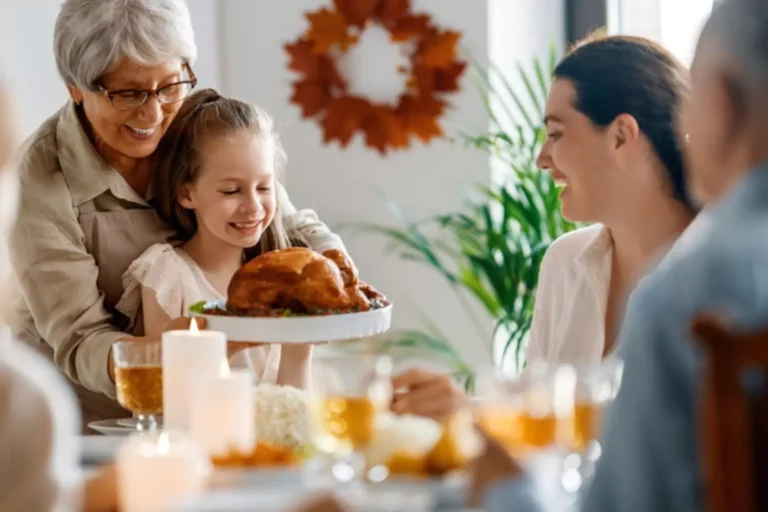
(26,55)
(342,186)
(241,52)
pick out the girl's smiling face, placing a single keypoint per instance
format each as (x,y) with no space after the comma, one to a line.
(234,196)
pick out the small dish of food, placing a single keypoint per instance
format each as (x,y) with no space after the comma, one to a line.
(267,464)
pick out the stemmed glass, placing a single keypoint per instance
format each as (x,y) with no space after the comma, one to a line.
(596,387)
(350,391)
(521,413)
(139,380)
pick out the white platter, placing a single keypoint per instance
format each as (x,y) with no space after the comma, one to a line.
(299,329)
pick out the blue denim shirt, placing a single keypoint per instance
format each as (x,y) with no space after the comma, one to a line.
(650,459)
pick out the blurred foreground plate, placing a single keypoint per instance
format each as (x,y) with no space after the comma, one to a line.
(96,450)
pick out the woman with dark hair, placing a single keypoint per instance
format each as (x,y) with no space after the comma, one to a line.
(613,147)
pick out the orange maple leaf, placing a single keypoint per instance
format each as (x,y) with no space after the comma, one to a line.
(356,12)
(343,118)
(328,29)
(439,50)
(384,129)
(392,10)
(421,114)
(428,80)
(311,96)
(314,67)
(409,27)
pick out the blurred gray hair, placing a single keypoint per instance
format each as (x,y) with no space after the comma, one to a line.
(92,36)
(740,29)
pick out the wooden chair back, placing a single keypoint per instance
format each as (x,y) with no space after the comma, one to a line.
(734,421)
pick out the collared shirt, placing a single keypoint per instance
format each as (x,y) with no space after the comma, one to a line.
(569,315)
(80,226)
(651,438)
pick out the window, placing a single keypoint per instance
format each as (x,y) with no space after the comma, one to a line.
(676,24)
(681,24)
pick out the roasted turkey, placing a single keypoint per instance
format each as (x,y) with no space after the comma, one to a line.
(303,281)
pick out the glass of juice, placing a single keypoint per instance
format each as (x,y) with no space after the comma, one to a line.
(350,391)
(139,380)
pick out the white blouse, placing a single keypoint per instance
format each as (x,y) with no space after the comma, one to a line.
(571,300)
(569,315)
(178,283)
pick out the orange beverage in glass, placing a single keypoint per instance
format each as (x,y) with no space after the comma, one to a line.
(517,430)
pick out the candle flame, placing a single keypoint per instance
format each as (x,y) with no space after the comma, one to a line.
(224,369)
(193,327)
(163,444)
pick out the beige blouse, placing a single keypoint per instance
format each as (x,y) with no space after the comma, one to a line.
(80,226)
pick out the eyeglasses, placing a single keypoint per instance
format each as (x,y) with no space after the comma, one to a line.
(130,99)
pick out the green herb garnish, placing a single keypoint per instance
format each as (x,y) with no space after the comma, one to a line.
(198,307)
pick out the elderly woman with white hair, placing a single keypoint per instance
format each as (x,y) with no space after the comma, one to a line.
(86,205)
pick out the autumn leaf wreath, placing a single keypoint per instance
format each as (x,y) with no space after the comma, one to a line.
(321,91)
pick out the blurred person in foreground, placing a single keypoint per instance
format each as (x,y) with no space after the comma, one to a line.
(39,421)
(651,444)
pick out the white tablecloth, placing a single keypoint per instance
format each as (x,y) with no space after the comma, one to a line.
(97,450)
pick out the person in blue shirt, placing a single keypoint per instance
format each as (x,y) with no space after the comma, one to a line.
(651,438)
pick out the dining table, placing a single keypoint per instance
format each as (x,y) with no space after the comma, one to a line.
(276,493)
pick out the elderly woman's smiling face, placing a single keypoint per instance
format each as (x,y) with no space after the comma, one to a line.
(135,132)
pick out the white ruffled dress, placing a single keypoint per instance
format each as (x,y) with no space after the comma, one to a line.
(179,283)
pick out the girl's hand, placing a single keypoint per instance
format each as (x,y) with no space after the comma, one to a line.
(426,393)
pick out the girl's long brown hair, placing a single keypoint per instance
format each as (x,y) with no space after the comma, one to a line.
(204,116)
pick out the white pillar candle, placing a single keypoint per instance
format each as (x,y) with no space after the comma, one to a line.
(154,472)
(223,412)
(186,356)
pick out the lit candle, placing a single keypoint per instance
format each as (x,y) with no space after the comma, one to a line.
(186,356)
(156,471)
(222,412)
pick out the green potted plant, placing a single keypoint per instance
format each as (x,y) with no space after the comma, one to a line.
(493,247)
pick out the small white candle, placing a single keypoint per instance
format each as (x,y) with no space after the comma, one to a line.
(186,356)
(156,471)
(223,412)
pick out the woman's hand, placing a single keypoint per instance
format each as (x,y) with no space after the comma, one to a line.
(492,467)
(427,393)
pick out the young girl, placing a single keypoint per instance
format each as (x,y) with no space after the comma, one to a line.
(215,184)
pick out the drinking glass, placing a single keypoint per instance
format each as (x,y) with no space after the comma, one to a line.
(350,391)
(596,387)
(139,380)
(522,413)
